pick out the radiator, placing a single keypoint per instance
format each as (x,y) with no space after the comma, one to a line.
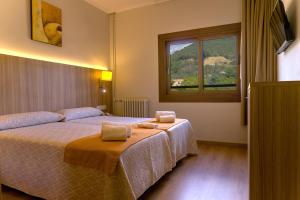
(128,107)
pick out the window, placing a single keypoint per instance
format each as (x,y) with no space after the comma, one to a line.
(200,65)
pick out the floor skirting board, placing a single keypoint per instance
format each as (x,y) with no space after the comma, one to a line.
(221,143)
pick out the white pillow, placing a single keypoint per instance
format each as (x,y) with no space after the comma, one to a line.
(78,113)
(28,119)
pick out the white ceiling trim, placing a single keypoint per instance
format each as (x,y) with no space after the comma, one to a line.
(98,5)
(141,5)
(116,9)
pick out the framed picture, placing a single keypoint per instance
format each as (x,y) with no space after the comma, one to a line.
(46,23)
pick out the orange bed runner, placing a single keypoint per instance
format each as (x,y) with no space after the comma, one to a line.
(167,126)
(94,153)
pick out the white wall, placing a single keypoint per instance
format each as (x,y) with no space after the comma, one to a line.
(137,61)
(289,61)
(85,32)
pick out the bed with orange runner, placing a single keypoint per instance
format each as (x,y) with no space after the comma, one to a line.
(181,136)
(33,161)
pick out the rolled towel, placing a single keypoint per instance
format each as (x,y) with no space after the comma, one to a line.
(128,126)
(114,133)
(147,125)
(163,113)
(167,119)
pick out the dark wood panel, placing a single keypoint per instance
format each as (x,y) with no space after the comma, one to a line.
(274,141)
(31,85)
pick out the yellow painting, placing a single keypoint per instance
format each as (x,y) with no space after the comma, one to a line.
(46,23)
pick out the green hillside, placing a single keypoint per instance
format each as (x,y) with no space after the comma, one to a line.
(184,63)
(225,47)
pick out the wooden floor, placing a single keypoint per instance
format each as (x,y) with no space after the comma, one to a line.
(217,173)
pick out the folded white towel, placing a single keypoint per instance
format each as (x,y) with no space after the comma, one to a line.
(128,126)
(114,133)
(163,113)
(147,125)
(167,118)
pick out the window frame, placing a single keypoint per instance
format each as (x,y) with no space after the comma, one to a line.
(201,95)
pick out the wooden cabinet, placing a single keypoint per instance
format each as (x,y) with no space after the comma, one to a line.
(274,141)
(0,191)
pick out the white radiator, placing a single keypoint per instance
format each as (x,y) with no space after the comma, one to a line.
(129,107)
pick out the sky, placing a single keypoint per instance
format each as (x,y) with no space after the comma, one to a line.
(177,47)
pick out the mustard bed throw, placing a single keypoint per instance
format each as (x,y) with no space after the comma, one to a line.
(167,126)
(95,153)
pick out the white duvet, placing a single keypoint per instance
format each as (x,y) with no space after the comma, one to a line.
(181,136)
(31,160)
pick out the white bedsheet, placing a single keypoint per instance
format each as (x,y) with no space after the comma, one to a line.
(31,160)
(182,138)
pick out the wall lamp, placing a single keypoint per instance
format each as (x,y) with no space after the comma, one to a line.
(106,76)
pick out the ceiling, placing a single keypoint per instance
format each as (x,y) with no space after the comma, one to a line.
(110,6)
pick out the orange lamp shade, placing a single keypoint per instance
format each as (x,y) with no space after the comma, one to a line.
(106,76)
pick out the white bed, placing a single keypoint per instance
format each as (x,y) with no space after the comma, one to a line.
(181,136)
(31,160)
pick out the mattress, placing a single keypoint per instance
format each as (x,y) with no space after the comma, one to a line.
(31,160)
(181,137)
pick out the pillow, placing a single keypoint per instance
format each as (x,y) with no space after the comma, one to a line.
(28,119)
(78,113)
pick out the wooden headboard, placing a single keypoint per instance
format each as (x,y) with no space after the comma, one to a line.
(28,85)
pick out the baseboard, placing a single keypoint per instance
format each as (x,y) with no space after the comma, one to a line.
(222,144)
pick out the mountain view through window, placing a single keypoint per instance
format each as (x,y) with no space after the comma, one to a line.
(219,64)
(184,65)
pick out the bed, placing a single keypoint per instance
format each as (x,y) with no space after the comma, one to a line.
(31,157)
(181,136)
(32,161)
